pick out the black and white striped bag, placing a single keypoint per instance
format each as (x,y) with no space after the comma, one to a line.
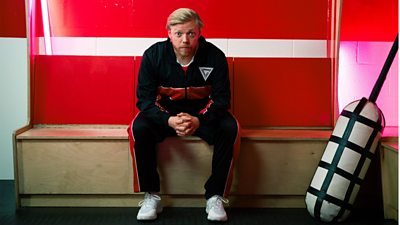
(345,161)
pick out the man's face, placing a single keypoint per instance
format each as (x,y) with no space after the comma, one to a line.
(184,38)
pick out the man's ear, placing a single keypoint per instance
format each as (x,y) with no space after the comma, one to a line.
(169,34)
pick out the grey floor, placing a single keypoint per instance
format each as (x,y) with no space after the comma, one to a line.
(170,216)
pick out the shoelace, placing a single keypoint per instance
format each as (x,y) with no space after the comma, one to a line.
(224,200)
(148,200)
(219,201)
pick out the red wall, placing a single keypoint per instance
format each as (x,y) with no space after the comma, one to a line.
(266,91)
(101,90)
(297,94)
(372,20)
(285,19)
(12,18)
(83,90)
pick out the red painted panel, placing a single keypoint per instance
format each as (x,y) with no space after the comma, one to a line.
(37,22)
(12,18)
(282,92)
(223,19)
(372,20)
(83,90)
(278,19)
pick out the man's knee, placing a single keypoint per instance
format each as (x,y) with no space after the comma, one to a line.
(141,127)
(229,125)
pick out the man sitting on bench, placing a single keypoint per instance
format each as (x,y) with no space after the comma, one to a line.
(183,89)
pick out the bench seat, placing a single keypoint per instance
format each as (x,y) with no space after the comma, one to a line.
(75,132)
(119,132)
(84,165)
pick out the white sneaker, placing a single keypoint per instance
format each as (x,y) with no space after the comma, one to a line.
(150,206)
(215,208)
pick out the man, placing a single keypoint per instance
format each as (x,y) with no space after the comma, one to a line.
(183,89)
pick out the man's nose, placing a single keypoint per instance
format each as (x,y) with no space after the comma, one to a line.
(185,38)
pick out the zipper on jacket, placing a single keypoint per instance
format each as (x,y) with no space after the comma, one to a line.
(185,75)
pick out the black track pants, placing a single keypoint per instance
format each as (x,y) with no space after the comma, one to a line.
(145,135)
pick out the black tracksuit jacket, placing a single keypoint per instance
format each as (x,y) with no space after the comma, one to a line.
(165,89)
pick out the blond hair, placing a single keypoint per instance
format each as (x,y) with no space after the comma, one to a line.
(183,15)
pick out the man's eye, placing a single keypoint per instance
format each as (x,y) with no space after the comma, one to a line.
(178,34)
(192,34)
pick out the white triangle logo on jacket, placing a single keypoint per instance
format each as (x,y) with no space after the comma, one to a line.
(206,71)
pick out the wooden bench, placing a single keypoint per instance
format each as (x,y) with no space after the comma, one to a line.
(390,178)
(91,166)
(75,152)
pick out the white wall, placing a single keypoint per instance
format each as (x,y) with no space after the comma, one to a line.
(13,98)
(360,64)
